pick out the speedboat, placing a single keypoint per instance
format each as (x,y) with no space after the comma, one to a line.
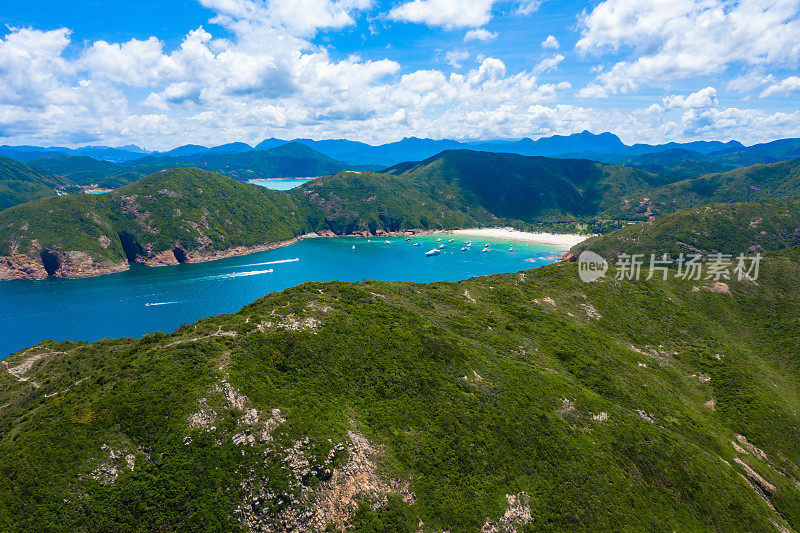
(485,250)
(439,239)
(451,240)
(469,243)
(433,252)
(417,244)
(354,247)
(386,242)
(442,245)
(464,248)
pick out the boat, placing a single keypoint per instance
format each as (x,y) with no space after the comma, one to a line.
(469,243)
(354,247)
(439,239)
(442,245)
(408,238)
(510,248)
(386,242)
(485,250)
(417,244)
(451,240)
(433,252)
(464,248)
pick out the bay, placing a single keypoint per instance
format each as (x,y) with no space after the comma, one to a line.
(144,299)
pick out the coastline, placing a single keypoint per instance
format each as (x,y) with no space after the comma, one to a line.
(566,240)
(77,265)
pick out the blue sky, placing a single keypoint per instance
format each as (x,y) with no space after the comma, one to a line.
(165,73)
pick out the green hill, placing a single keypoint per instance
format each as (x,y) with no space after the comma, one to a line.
(20,183)
(171,216)
(677,163)
(289,160)
(529,189)
(745,184)
(83,170)
(525,402)
(751,227)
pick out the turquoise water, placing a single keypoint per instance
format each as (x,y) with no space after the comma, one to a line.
(143,299)
(282,184)
(96,192)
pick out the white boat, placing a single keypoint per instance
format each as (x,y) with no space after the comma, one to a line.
(354,247)
(485,250)
(464,248)
(442,246)
(510,248)
(469,243)
(433,252)
(386,242)
(451,240)
(439,239)
(417,244)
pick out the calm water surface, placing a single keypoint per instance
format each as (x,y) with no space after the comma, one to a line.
(144,300)
(282,184)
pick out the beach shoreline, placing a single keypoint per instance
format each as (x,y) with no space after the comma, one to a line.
(565,240)
(76,265)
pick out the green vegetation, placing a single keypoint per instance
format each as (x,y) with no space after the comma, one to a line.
(746,184)
(528,189)
(83,170)
(20,183)
(603,406)
(289,160)
(717,228)
(455,189)
(186,208)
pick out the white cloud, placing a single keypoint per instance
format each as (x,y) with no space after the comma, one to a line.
(526,7)
(447,13)
(749,81)
(548,64)
(703,98)
(300,17)
(454,58)
(684,38)
(266,79)
(592,91)
(551,42)
(479,34)
(786,86)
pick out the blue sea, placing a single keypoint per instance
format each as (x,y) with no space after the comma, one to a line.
(144,299)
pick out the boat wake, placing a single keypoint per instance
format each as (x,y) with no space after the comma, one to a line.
(242,274)
(279,262)
(156,304)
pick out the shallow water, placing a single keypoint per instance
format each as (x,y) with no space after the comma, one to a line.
(282,184)
(143,299)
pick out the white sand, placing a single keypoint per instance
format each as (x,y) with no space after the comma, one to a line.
(564,240)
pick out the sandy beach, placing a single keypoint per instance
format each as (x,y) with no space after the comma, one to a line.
(564,240)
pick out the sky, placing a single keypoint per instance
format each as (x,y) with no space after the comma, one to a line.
(165,73)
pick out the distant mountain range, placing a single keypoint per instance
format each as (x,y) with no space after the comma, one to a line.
(605,147)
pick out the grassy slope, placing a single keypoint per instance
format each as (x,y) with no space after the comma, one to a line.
(20,183)
(736,228)
(190,208)
(746,184)
(82,170)
(530,189)
(389,360)
(290,160)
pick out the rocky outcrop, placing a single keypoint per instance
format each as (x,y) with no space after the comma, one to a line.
(21,266)
(76,265)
